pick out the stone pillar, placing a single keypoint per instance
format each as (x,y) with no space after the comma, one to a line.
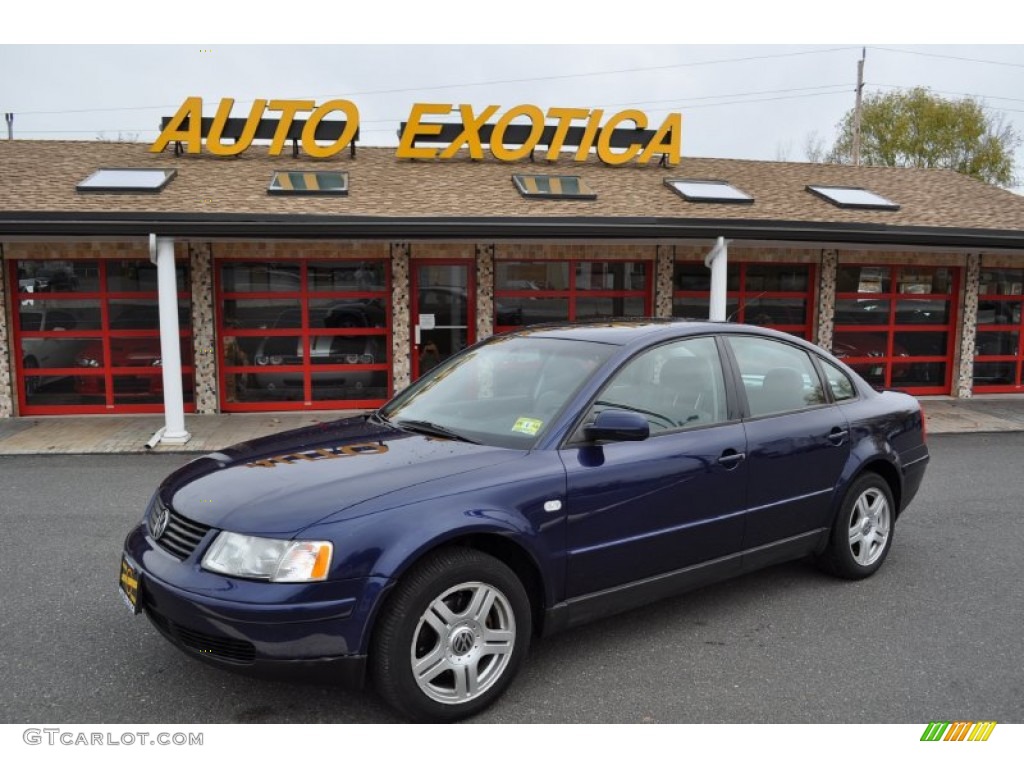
(204,348)
(664,265)
(401,308)
(827,297)
(963,381)
(484,291)
(6,391)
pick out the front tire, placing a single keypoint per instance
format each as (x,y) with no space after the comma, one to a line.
(451,637)
(862,534)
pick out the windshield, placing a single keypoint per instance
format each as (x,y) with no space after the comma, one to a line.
(505,393)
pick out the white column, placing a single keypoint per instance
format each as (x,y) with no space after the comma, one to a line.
(717,261)
(170,344)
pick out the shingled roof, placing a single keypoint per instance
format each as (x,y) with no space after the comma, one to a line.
(389,196)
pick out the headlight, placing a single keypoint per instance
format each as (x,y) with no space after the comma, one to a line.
(158,361)
(88,362)
(253,557)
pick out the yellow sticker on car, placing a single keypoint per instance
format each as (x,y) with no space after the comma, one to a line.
(527,426)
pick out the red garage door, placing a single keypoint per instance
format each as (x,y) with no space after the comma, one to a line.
(87,333)
(301,334)
(896,325)
(779,296)
(999,343)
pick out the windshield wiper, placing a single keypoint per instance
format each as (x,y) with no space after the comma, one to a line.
(430,428)
(379,418)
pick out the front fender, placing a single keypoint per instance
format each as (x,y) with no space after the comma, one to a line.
(384,545)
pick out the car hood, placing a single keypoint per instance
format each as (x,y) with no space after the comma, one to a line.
(283,483)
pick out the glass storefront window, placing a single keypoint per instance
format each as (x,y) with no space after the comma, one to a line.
(99,354)
(60,315)
(133,276)
(997,343)
(922,312)
(610,276)
(776,278)
(896,323)
(773,295)
(259,277)
(1000,330)
(996,374)
(530,292)
(326,340)
(59,276)
(531,276)
(346,276)
(1001,281)
(588,308)
(262,313)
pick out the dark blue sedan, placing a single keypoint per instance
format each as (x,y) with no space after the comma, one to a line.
(535,481)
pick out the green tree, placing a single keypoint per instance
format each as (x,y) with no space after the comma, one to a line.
(916,128)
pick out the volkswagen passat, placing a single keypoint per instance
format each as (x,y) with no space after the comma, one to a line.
(535,481)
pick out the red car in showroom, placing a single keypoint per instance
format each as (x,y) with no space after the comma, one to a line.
(130,352)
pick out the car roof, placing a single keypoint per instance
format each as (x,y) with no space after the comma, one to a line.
(628,331)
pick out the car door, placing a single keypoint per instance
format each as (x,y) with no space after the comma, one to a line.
(797,442)
(674,500)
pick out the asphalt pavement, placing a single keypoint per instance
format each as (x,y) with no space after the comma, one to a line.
(935,635)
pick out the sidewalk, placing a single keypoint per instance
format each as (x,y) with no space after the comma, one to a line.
(129,434)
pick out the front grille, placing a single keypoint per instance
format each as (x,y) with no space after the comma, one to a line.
(216,646)
(182,535)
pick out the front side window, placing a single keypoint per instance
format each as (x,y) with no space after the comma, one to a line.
(777,377)
(676,386)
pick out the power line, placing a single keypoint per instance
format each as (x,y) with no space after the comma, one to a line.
(946,56)
(396,121)
(680,99)
(541,78)
(954,93)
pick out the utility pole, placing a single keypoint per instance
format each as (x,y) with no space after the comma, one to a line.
(856,110)
(9,117)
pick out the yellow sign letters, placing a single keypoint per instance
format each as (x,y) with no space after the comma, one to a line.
(666,140)
(186,126)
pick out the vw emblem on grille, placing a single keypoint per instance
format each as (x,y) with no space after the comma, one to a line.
(462,643)
(158,518)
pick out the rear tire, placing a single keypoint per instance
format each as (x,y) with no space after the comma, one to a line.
(451,637)
(863,531)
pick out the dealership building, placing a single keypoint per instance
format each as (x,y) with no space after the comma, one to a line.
(301,282)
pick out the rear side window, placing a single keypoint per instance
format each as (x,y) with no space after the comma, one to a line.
(777,377)
(840,384)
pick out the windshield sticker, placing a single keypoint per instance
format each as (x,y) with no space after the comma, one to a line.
(527,426)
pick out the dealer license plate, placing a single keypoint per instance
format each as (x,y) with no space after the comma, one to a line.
(130,584)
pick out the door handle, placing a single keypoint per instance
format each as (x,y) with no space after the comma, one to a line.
(730,459)
(837,436)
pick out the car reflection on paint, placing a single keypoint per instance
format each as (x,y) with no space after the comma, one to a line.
(531,483)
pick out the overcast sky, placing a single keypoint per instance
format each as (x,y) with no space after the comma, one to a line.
(750,100)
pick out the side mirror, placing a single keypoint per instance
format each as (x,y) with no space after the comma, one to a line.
(618,426)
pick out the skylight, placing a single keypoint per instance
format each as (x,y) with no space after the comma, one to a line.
(708,191)
(553,187)
(127,180)
(308,183)
(853,197)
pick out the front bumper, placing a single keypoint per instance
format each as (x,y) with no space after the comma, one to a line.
(286,631)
